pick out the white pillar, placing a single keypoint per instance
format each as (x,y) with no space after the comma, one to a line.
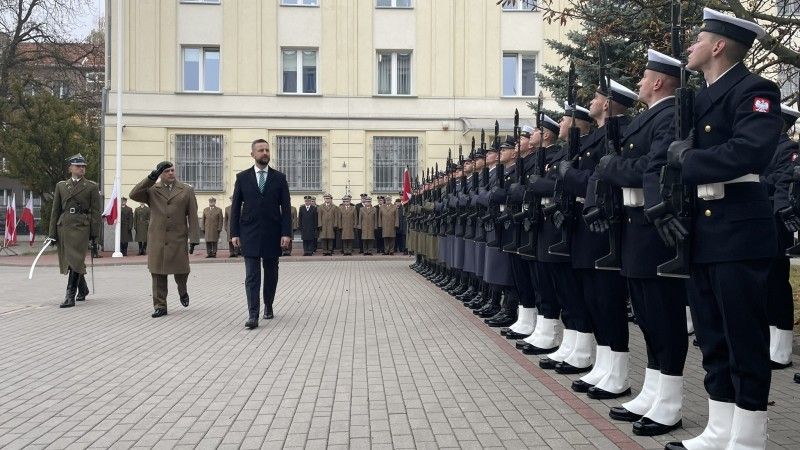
(118,173)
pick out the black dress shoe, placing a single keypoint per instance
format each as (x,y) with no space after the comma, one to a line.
(647,427)
(696,344)
(620,413)
(502,322)
(504,331)
(581,386)
(797,378)
(564,368)
(268,314)
(159,312)
(515,335)
(548,364)
(251,323)
(674,446)
(531,349)
(185,300)
(595,393)
(772,364)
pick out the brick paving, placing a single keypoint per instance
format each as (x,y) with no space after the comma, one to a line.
(362,353)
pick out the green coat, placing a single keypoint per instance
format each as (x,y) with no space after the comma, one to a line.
(173,224)
(127,224)
(141,222)
(74,220)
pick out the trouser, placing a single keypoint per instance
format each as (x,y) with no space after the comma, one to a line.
(123,247)
(546,297)
(160,288)
(347,246)
(309,245)
(327,245)
(368,245)
(728,303)
(780,304)
(359,243)
(388,245)
(379,239)
(400,243)
(659,304)
(606,299)
(142,248)
(252,283)
(523,281)
(211,248)
(568,288)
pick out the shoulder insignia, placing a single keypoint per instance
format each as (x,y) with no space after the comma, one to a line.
(761,104)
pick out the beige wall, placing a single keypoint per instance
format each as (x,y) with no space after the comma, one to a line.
(456,73)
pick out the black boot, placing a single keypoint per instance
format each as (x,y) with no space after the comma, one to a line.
(471,291)
(83,289)
(508,314)
(481,298)
(492,307)
(72,287)
(463,286)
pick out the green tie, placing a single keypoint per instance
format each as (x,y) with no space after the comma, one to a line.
(262,178)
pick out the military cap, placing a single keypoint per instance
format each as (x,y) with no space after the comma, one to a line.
(509,143)
(581,113)
(313,197)
(368,199)
(622,95)
(307,197)
(662,63)
(397,200)
(326,195)
(526,131)
(212,199)
(550,124)
(363,195)
(789,114)
(740,30)
(77,160)
(124,199)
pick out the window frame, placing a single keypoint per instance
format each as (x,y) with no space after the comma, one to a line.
(299,61)
(281,160)
(201,69)
(394,72)
(299,4)
(518,76)
(393,5)
(412,163)
(782,8)
(518,7)
(181,163)
(201,2)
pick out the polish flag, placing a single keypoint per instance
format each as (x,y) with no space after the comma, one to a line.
(11,222)
(406,186)
(111,213)
(28,219)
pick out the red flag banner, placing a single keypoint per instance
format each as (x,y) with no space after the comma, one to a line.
(110,212)
(406,186)
(28,219)
(11,222)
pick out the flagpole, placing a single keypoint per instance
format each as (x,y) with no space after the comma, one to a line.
(117,175)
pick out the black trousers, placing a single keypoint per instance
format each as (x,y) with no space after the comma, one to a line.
(523,281)
(400,242)
(606,297)
(309,245)
(252,282)
(568,290)
(660,307)
(780,305)
(379,240)
(729,310)
(123,247)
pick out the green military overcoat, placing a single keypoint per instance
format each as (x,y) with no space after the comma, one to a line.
(212,223)
(347,221)
(141,222)
(126,226)
(367,222)
(74,220)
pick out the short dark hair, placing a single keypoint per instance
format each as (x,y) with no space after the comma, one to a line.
(258,141)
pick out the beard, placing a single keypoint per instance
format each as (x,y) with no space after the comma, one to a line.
(263,161)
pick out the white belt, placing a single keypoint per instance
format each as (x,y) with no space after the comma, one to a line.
(633,197)
(580,199)
(547,201)
(502,208)
(716,191)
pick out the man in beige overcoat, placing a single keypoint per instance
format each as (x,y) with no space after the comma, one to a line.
(173,223)
(347,223)
(212,225)
(327,222)
(388,221)
(367,223)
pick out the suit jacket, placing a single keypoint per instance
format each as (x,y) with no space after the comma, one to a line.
(259,219)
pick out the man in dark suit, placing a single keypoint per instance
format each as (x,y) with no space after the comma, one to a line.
(261,226)
(307,220)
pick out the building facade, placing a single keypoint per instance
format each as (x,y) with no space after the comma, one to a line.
(347,92)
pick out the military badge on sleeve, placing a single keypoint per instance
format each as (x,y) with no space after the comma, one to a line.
(760,104)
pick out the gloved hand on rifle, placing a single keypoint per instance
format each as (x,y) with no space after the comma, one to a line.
(563,168)
(677,151)
(601,167)
(160,168)
(789,218)
(559,218)
(595,221)
(670,230)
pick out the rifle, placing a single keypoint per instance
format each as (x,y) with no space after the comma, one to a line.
(472,185)
(460,216)
(609,197)
(490,223)
(483,183)
(562,200)
(510,216)
(677,198)
(532,211)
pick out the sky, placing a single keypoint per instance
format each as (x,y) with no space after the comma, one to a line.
(86,19)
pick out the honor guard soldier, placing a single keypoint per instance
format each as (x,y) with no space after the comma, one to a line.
(347,223)
(780,304)
(141,221)
(658,302)
(212,225)
(126,236)
(466,216)
(74,223)
(737,125)
(327,223)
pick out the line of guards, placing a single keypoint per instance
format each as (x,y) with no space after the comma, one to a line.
(550,231)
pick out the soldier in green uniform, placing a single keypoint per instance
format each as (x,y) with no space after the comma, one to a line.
(74,222)
(126,234)
(141,221)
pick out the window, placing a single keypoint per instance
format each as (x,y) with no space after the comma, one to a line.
(391,155)
(299,71)
(198,158)
(519,75)
(299,158)
(201,69)
(520,5)
(394,73)
(393,3)
(213,2)
(61,89)
(300,2)
(788,8)
(4,165)
(94,81)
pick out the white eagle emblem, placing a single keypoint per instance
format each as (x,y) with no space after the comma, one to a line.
(761,105)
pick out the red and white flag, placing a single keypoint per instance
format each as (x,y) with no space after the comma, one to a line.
(406,186)
(111,213)
(11,222)
(28,219)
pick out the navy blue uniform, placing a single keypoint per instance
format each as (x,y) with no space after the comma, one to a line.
(526,286)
